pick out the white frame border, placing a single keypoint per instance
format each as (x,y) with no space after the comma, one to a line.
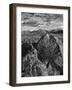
(64,77)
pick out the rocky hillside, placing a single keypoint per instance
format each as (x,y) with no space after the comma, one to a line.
(42,52)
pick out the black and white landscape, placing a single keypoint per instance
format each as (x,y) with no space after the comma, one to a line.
(41,44)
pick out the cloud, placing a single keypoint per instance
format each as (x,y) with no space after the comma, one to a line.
(35,21)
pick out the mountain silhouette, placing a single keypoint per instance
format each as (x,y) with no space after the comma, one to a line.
(48,51)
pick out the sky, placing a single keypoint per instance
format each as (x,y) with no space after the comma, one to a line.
(43,21)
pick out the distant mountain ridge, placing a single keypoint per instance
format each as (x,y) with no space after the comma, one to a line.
(41,32)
